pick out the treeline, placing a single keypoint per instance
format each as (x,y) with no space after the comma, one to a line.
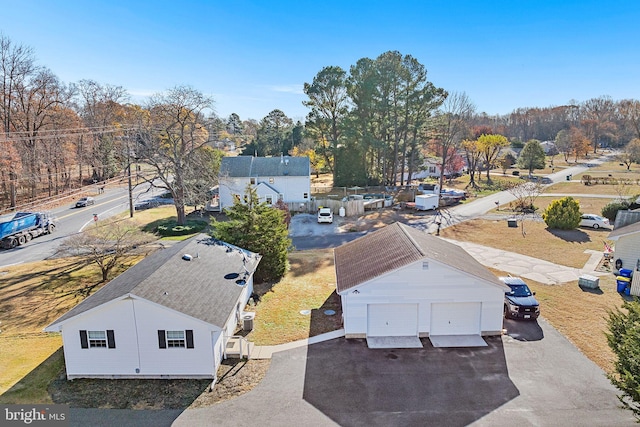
(372,124)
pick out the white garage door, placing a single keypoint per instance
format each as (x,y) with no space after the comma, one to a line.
(461,318)
(392,320)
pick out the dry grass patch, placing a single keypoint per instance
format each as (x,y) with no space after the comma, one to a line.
(309,285)
(32,296)
(29,362)
(564,247)
(580,188)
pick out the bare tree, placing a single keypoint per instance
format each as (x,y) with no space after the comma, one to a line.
(106,244)
(102,111)
(37,101)
(173,141)
(17,63)
(526,194)
(450,126)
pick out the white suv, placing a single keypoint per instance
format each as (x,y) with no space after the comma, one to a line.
(325,215)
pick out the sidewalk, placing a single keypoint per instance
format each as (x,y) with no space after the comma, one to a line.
(265,352)
(531,268)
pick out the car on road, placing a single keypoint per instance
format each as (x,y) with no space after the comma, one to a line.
(519,302)
(325,215)
(84,202)
(594,221)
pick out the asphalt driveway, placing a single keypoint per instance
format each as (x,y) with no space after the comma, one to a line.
(535,377)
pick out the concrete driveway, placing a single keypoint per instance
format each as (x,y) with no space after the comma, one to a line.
(535,377)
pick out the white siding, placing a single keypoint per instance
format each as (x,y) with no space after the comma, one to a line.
(102,361)
(627,248)
(293,188)
(136,323)
(413,285)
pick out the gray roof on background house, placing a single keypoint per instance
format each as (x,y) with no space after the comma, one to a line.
(623,231)
(197,288)
(626,217)
(249,166)
(396,246)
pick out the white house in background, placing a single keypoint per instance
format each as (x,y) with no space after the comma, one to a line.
(274,178)
(415,285)
(169,316)
(430,168)
(549,147)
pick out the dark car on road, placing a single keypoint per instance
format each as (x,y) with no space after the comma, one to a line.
(519,302)
(85,201)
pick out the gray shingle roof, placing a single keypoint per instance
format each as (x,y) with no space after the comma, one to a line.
(394,247)
(249,166)
(623,231)
(197,288)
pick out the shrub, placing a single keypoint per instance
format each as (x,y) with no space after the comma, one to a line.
(170,228)
(611,210)
(562,214)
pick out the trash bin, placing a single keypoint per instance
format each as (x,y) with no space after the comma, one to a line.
(512,223)
(625,272)
(622,284)
(341,211)
(247,320)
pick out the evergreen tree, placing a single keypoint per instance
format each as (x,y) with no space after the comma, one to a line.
(259,228)
(532,156)
(624,340)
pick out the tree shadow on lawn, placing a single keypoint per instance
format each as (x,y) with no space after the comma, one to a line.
(572,236)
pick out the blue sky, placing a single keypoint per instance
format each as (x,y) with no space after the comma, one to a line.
(254,56)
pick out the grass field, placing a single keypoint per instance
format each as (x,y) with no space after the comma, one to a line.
(32,296)
(309,285)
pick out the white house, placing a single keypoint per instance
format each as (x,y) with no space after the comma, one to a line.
(402,282)
(627,247)
(169,316)
(274,178)
(430,168)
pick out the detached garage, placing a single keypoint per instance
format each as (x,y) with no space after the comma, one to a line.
(402,282)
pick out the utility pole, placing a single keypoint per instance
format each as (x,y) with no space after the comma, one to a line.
(129,177)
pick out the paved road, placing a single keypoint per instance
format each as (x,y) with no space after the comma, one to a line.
(71,220)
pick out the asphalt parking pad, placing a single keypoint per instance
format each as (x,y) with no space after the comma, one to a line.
(355,386)
(394,342)
(457,341)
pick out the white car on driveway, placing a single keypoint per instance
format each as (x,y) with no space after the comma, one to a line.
(325,215)
(594,221)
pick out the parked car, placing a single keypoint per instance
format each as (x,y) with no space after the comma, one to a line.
(594,221)
(146,204)
(84,202)
(325,215)
(519,302)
